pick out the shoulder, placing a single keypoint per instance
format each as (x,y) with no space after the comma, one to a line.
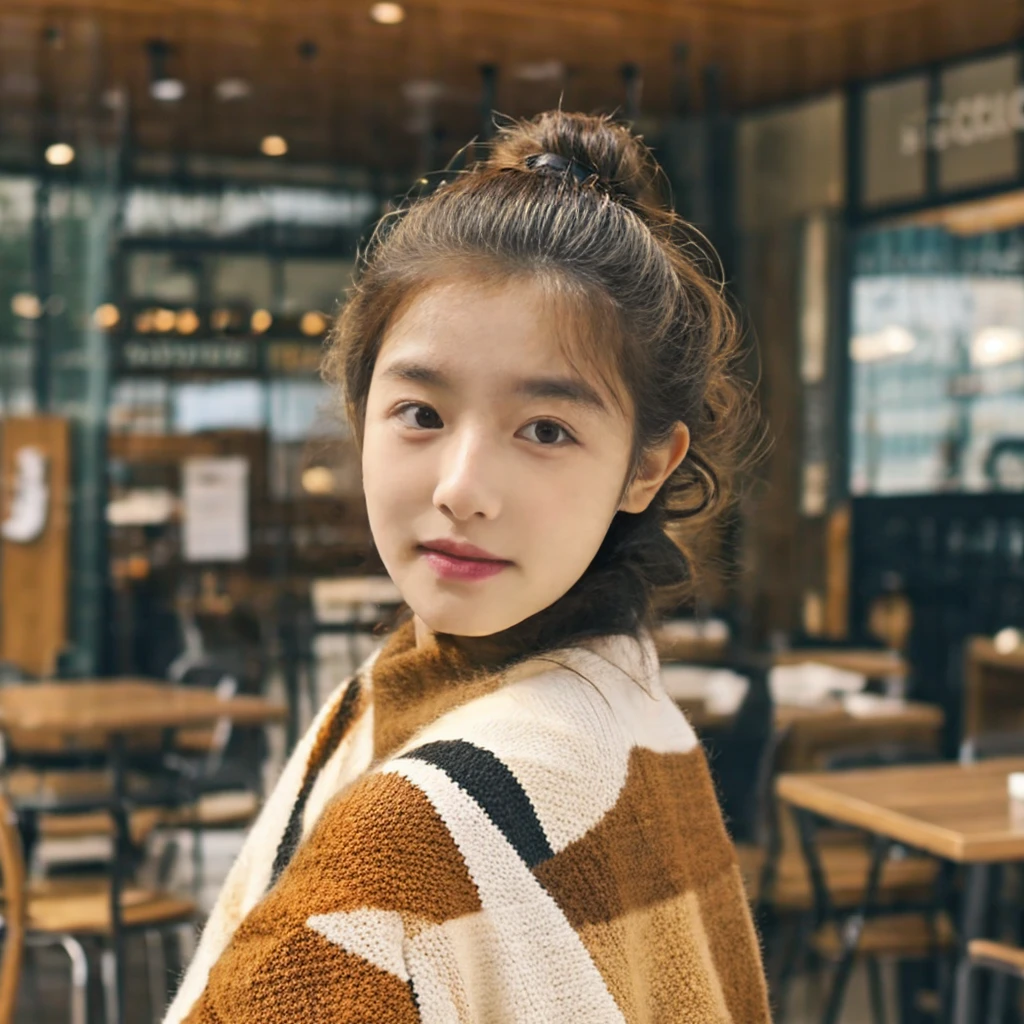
(553,747)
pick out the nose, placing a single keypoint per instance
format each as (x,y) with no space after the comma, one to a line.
(467,484)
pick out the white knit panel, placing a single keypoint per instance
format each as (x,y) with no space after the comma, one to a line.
(566,742)
(520,961)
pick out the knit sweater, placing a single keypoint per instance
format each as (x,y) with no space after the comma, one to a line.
(454,844)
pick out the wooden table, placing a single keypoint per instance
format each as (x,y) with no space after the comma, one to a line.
(48,717)
(873,664)
(960,813)
(814,731)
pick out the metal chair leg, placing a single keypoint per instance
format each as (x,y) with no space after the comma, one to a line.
(876,990)
(186,943)
(108,973)
(156,964)
(79,979)
(197,863)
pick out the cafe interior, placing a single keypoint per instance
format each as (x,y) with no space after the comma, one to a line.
(186,566)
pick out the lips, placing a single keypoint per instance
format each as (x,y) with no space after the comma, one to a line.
(458,549)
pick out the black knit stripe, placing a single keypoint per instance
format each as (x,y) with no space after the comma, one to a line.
(493,786)
(331,734)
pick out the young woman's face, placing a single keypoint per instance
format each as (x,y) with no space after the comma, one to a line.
(479,432)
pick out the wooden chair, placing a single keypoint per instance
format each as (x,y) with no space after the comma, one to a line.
(993,689)
(12,865)
(70,912)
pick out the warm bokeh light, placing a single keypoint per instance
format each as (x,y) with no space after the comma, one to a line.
(144,321)
(164,320)
(317,480)
(312,324)
(221,319)
(187,321)
(273,145)
(60,154)
(26,305)
(1007,640)
(106,316)
(387,13)
(260,321)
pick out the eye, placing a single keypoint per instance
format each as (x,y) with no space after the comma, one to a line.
(547,433)
(423,417)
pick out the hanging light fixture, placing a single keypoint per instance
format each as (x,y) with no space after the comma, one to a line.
(260,321)
(106,316)
(387,13)
(313,323)
(60,154)
(274,145)
(162,86)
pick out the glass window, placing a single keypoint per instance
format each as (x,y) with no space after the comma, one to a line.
(937,351)
(218,405)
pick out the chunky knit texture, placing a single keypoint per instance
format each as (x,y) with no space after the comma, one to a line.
(450,844)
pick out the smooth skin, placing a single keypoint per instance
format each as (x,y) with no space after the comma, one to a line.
(479,430)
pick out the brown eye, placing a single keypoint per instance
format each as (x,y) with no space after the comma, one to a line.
(549,434)
(423,416)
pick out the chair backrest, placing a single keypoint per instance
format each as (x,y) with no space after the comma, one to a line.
(741,757)
(992,744)
(993,688)
(12,866)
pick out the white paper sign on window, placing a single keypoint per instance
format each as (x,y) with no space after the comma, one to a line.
(216,502)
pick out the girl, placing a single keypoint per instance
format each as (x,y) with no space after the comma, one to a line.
(501,817)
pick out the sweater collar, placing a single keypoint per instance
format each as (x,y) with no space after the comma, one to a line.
(412,686)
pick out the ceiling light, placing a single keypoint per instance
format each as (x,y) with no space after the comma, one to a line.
(187,321)
(273,145)
(167,90)
(317,480)
(260,321)
(162,86)
(884,344)
(387,14)
(60,154)
(26,305)
(312,324)
(228,89)
(106,316)
(994,346)
(164,320)
(541,71)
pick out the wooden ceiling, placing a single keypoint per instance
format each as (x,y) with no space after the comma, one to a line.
(382,96)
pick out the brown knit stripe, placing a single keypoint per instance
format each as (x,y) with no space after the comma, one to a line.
(298,977)
(663,837)
(675,979)
(411,865)
(729,928)
(413,686)
(333,730)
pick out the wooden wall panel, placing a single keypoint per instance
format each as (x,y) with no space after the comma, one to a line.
(34,576)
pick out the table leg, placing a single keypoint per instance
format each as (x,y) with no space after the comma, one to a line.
(118,869)
(972,926)
(852,927)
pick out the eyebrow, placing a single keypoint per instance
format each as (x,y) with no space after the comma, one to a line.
(566,389)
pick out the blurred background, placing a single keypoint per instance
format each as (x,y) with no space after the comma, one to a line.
(183,187)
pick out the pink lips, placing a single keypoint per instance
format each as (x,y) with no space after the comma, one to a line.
(456,561)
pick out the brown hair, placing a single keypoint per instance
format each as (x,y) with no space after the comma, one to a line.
(640,291)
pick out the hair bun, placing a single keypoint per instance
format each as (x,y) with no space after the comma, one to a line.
(592,143)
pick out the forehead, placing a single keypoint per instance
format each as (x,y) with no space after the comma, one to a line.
(503,329)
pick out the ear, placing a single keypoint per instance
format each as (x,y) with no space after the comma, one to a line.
(657,467)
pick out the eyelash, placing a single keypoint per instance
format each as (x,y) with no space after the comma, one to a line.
(570,439)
